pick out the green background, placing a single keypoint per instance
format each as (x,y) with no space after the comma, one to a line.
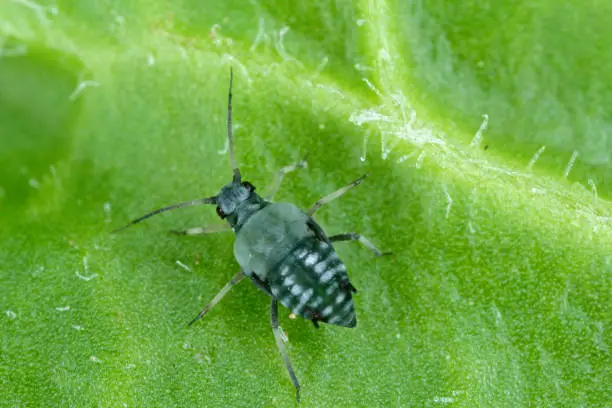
(498,293)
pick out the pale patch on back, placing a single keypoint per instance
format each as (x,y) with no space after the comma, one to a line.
(311,259)
(286,301)
(335,319)
(320,267)
(347,307)
(302,253)
(331,289)
(285,270)
(296,290)
(317,302)
(304,298)
(327,276)
(327,311)
(289,280)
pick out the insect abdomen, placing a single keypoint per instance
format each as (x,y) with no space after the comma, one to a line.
(312,282)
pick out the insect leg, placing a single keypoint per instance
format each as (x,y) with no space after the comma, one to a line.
(302,164)
(353,236)
(237,278)
(281,346)
(212,229)
(315,207)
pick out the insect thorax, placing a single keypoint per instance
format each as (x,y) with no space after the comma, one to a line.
(268,236)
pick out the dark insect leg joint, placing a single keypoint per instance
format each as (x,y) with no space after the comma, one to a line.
(314,316)
(346,284)
(353,236)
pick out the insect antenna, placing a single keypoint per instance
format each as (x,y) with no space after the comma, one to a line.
(206,200)
(230,136)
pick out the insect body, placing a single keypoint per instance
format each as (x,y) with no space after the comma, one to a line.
(292,260)
(282,250)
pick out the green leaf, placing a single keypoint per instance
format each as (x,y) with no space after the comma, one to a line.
(484,127)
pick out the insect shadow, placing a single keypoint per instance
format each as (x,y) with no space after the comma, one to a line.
(281,249)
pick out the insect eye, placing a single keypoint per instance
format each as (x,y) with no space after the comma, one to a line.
(248,186)
(220,213)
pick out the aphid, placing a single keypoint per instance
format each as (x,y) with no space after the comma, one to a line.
(281,249)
